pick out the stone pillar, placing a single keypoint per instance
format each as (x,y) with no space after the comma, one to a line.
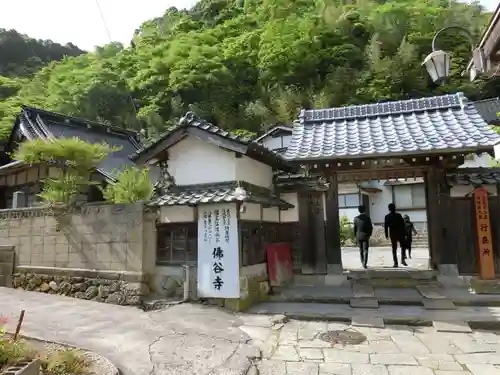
(333,248)
(18,199)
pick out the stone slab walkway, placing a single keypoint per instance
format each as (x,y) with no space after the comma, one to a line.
(404,314)
(184,339)
(296,348)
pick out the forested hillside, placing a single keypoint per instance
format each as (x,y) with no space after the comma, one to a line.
(249,64)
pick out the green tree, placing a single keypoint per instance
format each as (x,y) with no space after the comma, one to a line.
(75,160)
(132,185)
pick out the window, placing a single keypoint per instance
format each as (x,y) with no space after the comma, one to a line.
(177,243)
(409,196)
(349,200)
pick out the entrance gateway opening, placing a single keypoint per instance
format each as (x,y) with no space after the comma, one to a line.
(396,152)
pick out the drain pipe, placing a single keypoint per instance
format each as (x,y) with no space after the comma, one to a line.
(186,282)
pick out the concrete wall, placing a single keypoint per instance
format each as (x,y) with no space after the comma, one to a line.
(100,245)
(177,214)
(193,161)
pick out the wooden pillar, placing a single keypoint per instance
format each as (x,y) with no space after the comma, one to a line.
(333,249)
(443,252)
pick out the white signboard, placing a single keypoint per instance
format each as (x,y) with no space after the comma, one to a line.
(218,251)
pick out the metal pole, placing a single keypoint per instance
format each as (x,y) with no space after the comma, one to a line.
(186,282)
(463,29)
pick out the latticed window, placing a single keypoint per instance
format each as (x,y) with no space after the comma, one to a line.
(177,243)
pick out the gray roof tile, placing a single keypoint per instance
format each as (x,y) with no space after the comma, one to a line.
(489,109)
(441,123)
(225,192)
(37,123)
(473,178)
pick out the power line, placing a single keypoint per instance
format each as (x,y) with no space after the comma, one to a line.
(103,19)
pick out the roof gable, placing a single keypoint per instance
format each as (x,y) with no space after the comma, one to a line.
(191,125)
(34,123)
(489,109)
(274,131)
(444,124)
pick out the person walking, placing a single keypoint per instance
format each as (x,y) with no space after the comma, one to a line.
(363,229)
(394,227)
(409,232)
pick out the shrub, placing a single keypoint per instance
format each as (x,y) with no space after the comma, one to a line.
(65,362)
(75,160)
(12,351)
(346,231)
(132,185)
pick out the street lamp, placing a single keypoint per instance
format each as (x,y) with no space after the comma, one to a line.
(438,62)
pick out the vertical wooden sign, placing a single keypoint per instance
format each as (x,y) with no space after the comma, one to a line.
(483,230)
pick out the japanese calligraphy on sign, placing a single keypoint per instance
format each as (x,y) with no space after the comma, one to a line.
(485,246)
(218,252)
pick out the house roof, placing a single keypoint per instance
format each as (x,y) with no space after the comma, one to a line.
(192,125)
(474,176)
(224,192)
(36,123)
(440,124)
(489,109)
(286,129)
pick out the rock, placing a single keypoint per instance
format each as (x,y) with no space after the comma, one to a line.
(75,280)
(53,285)
(66,288)
(103,292)
(58,279)
(133,300)
(80,295)
(91,292)
(115,287)
(116,298)
(19,280)
(136,289)
(98,299)
(278,319)
(44,287)
(36,280)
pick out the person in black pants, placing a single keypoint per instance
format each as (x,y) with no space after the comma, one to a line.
(363,229)
(394,227)
(409,232)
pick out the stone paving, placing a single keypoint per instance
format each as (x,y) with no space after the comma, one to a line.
(381,257)
(294,347)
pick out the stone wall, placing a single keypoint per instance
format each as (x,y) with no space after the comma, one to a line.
(100,252)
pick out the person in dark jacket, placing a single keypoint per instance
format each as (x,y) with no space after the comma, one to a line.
(394,227)
(409,232)
(363,229)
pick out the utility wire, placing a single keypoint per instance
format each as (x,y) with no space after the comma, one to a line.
(103,19)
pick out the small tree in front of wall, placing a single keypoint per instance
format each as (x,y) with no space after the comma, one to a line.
(74,159)
(132,185)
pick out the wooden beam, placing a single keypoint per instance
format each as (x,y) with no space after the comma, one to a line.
(333,248)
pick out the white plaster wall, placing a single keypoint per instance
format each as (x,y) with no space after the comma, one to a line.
(478,161)
(251,213)
(271,214)
(254,172)
(176,214)
(292,214)
(192,161)
(274,143)
(463,190)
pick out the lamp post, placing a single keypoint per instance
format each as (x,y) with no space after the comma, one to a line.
(438,62)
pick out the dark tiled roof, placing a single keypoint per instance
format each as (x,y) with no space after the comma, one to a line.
(225,192)
(420,126)
(36,123)
(487,177)
(243,144)
(489,109)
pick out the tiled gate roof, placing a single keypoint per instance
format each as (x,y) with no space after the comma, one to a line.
(447,123)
